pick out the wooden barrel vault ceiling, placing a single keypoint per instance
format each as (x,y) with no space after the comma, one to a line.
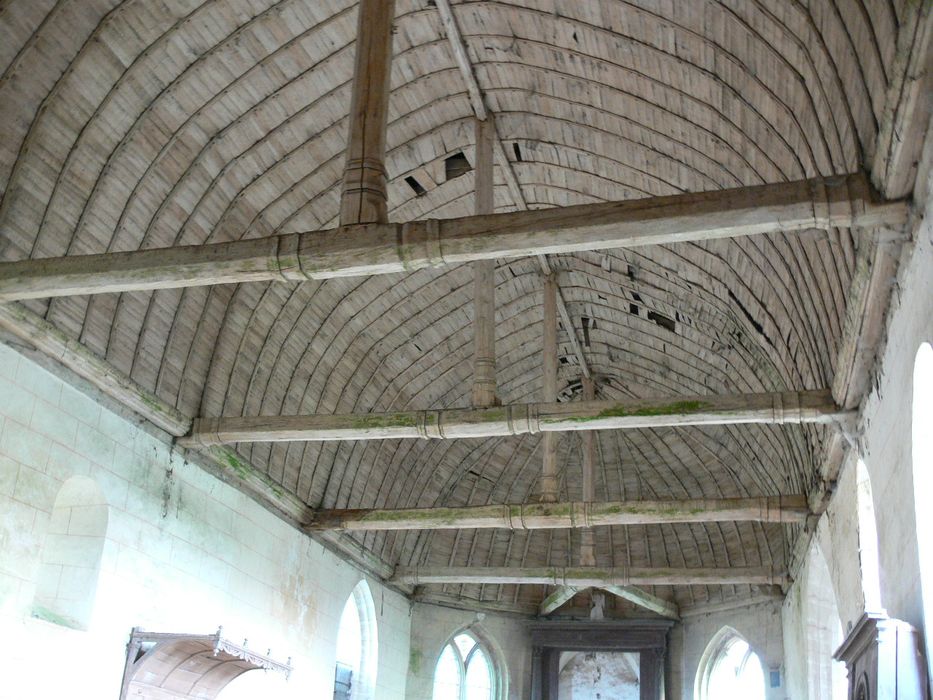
(153,123)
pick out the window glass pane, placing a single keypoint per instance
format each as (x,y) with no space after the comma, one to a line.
(737,674)
(478,677)
(447,676)
(349,637)
(465,644)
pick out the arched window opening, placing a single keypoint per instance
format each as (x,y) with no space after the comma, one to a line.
(66,585)
(357,647)
(464,671)
(730,668)
(867,539)
(826,678)
(922,458)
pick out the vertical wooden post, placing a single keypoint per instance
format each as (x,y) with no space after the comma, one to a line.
(484,331)
(549,363)
(364,182)
(587,536)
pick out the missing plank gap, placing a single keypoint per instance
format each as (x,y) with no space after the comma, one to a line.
(456,165)
(662,320)
(518,152)
(416,186)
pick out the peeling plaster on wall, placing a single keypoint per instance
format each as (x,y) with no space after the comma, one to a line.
(600,676)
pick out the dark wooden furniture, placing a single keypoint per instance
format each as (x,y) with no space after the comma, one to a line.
(884,659)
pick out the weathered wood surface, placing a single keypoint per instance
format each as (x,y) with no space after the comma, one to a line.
(645,600)
(588,463)
(445,424)
(574,514)
(374,249)
(556,599)
(364,199)
(587,576)
(906,115)
(549,478)
(234,125)
(484,271)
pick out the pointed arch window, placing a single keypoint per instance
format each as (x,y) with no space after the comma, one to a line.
(357,647)
(922,457)
(730,668)
(464,671)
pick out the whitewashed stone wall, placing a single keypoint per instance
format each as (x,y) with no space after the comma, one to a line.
(183,552)
(886,441)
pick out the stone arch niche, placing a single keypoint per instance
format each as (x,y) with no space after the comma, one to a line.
(66,584)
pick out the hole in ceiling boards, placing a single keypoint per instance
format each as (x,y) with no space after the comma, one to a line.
(586,330)
(564,360)
(746,313)
(662,320)
(415,186)
(456,165)
(633,309)
(518,151)
(636,296)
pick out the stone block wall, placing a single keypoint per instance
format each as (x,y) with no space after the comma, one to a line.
(182,552)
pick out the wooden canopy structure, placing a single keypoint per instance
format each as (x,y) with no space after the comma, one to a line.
(504,300)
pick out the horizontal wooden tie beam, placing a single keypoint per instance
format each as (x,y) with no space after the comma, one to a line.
(781,407)
(539,516)
(582,577)
(381,248)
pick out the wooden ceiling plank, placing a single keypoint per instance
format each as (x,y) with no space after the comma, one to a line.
(373,249)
